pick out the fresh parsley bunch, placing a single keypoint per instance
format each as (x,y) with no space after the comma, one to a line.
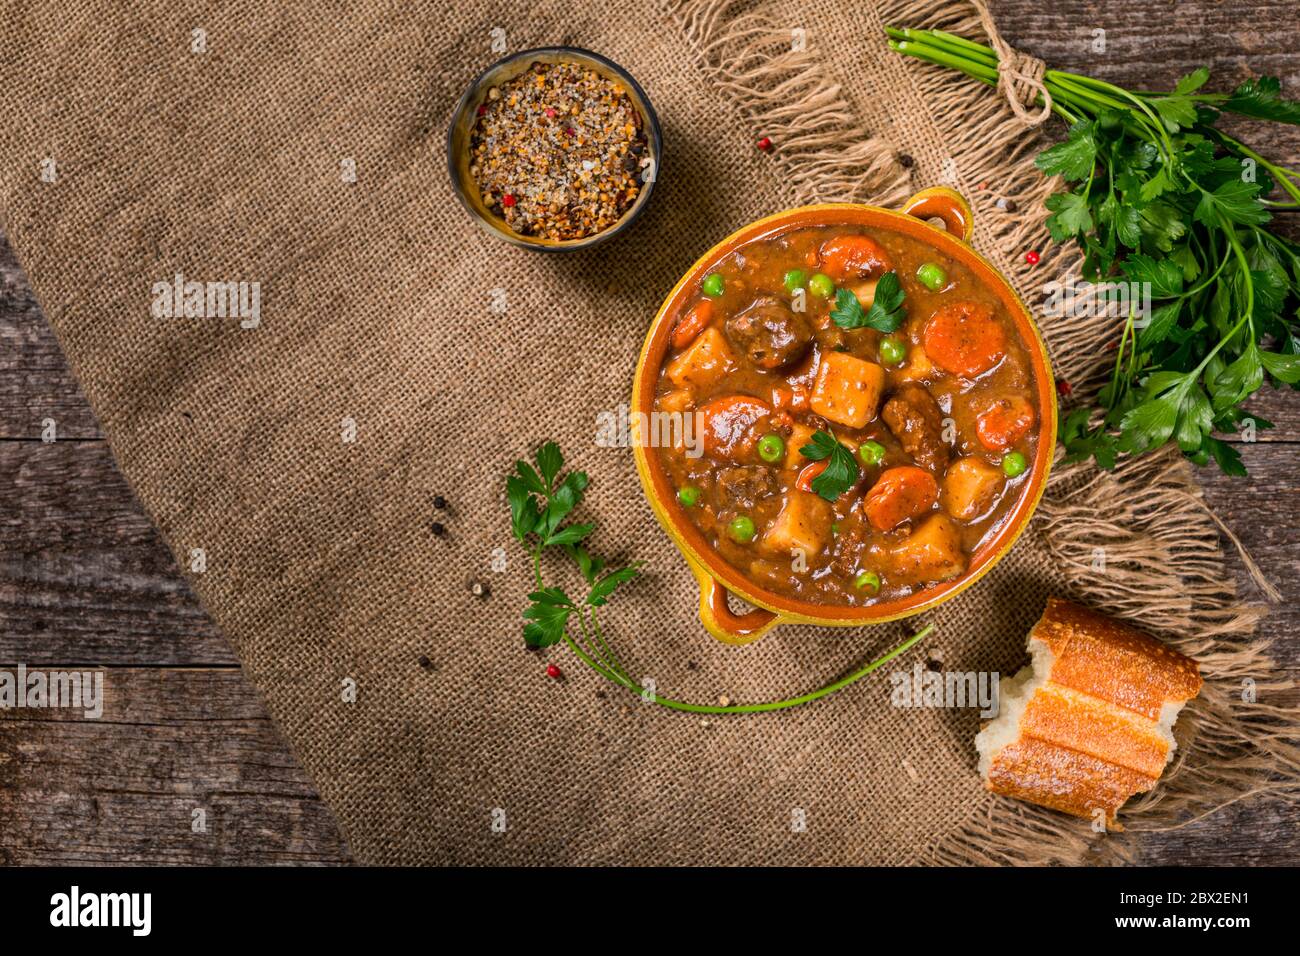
(1160,196)
(540,503)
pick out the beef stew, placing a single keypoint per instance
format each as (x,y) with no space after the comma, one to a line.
(938,417)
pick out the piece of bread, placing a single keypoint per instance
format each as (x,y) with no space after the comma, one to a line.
(1089,722)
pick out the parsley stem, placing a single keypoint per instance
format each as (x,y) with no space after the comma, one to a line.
(609,654)
(1281,175)
(840,684)
(1247,314)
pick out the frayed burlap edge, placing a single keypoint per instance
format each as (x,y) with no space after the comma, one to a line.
(1138,542)
(823,152)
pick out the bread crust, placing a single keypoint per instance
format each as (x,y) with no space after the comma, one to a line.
(1090,736)
(1105,658)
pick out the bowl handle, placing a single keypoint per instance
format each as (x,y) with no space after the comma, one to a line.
(946,204)
(720,621)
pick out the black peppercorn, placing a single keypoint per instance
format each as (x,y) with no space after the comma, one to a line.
(438,529)
(439,502)
(906,161)
(424,662)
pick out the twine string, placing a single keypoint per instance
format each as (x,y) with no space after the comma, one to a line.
(1020,76)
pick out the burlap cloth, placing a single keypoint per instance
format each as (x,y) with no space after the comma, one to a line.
(377,296)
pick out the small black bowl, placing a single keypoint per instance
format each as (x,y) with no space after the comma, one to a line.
(462,124)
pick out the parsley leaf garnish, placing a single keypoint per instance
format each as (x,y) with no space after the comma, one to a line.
(1160,199)
(540,502)
(886,312)
(841,471)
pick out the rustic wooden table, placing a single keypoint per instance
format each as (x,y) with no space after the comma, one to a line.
(85,580)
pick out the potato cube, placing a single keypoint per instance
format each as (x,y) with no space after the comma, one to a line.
(970,487)
(804,524)
(932,552)
(800,435)
(703,362)
(679,400)
(847,389)
(917,366)
(865,292)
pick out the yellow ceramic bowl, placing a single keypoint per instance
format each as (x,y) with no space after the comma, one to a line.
(716,576)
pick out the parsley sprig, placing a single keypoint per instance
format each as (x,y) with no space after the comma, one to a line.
(540,503)
(841,471)
(1160,196)
(886,312)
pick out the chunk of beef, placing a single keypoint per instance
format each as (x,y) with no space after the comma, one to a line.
(770,333)
(740,488)
(916,421)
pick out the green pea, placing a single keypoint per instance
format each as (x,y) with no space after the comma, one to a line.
(867,581)
(835,529)
(871,452)
(741,528)
(892,350)
(713,285)
(794,279)
(771,448)
(821,284)
(1013,463)
(688,495)
(932,276)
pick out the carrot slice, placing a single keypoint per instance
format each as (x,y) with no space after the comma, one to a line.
(899,494)
(853,257)
(730,426)
(810,471)
(692,323)
(1005,422)
(963,338)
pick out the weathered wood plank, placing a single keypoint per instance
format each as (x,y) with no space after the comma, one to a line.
(83,574)
(124,788)
(35,382)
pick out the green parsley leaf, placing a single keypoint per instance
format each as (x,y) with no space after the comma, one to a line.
(841,472)
(1192,81)
(606,585)
(588,565)
(523,508)
(570,535)
(563,500)
(1262,98)
(530,478)
(1149,424)
(1164,276)
(1226,457)
(546,620)
(885,314)
(1074,158)
(1236,382)
(1234,201)
(1158,326)
(1070,215)
(1284,368)
(1177,112)
(549,460)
